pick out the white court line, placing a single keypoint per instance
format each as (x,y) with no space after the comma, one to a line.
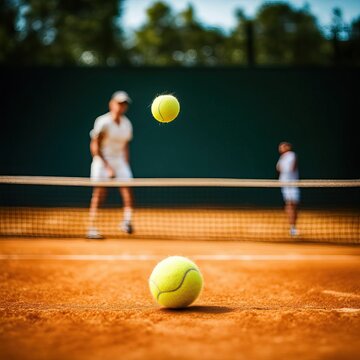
(340,294)
(145,257)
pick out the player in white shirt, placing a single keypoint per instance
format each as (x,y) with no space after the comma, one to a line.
(287,167)
(109,147)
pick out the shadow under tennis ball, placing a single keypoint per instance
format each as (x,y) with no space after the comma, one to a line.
(200,309)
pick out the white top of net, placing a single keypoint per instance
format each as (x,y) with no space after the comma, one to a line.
(179,182)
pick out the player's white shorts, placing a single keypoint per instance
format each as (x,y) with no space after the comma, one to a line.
(291,194)
(98,170)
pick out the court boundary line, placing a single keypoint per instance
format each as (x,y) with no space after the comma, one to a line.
(340,294)
(198,257)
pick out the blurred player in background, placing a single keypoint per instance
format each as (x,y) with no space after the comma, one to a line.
(109,147)
(287,167)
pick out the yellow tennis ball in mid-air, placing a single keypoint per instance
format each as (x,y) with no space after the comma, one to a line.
(165,108)
(175,282)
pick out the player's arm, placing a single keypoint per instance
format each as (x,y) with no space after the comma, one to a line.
(295,164)
(95,148)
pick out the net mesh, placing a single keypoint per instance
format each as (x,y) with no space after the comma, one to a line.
(186,209)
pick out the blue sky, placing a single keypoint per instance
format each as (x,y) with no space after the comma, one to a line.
(221,12)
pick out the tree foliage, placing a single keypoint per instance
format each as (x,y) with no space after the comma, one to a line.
(354,43)
(279,34)
(61,32)
(288,36)
(176,39)
(89,33)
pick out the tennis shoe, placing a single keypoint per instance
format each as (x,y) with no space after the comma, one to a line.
(126,227)
(293,232)
(94,234)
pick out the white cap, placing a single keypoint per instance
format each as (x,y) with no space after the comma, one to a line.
(121,96)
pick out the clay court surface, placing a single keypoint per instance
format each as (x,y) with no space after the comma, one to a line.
(75,299)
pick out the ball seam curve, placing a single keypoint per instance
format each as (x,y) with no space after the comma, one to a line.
(182,281)
(160,111)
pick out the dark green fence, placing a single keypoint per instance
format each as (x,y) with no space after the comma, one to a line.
(230,124)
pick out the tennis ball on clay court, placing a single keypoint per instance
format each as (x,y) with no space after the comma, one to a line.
(175,282)
(165,108)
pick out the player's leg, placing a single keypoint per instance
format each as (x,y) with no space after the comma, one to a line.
(97,172)
(123,172)
(291,211)
(128,201)
(291,197)
(98,197)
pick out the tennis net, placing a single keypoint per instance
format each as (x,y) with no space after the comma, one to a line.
(186,209)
